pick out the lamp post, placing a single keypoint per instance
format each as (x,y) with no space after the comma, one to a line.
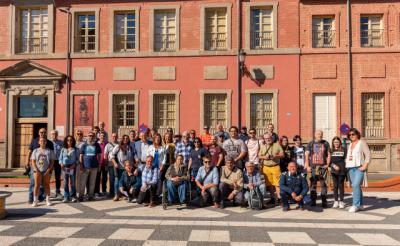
(241,60)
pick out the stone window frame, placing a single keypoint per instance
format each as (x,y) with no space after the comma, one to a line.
(275,99)
(111,95)
(203,8)
(385,112)
(71,104)
(249,6)
(112,27)
(152,11)
(335,25)
(74,13)
(228,93)
(384,27)
(15,6)
(177,94)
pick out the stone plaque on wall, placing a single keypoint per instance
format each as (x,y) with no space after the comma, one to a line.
(215,72)
(124,73)
(84,73)
(164,73)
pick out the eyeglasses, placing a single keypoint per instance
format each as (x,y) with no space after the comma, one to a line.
(79,134)
(252,133)
(90,136)
(233,131)
(352,134)
(268,139)
(42,132)
(206,161)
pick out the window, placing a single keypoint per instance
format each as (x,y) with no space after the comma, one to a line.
(371,31)
(165,30)
(164,112)
(373,115)
(323,32)
(125,32)
(124,110)
(33,30)
(215,110)
(85,36)
(261,33)
(32,107)
(216,29)
(261,111)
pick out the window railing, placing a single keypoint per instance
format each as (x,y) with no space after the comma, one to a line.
(372,38)
(85,43)
(261,40)
(33,45)
(323,38)
(216,41)
(164,42)
(124,43)
(374,131)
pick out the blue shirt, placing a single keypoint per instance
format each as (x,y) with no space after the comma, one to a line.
(69,158)
(254,179)
(90,153)
(35,144)
(212,178)
(184,150)
(58,145)
(150,176)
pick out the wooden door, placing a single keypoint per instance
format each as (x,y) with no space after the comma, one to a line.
(23,137)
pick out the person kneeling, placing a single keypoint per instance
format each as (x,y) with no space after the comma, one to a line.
(231,184)
(176,178)
(150,177)
(293,185)
(130,182)
(253,186)
(207,181)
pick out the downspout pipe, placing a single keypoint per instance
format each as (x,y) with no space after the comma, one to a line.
(240,72)
(350,62)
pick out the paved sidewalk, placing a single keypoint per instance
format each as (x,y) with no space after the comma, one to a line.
(120,223)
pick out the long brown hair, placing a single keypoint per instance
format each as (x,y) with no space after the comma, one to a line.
(340,144)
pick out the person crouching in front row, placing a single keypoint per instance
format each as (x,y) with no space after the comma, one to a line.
(293,185)
(231,184)
(130,181)
(150,177)
(207,181)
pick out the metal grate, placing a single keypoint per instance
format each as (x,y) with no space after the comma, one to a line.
(261,111)
(123,113)
(261,33)
(378,151)
(371,31)
(33,36)
(165,30)
(373,115)
(215,111)
(85,38)
(323,33)
(216,29)
(164,112)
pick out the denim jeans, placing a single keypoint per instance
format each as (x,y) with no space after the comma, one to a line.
(32,185)
(176,189)
(117,176)
(356,178)
(262,189)
(111,176)
(285,197)
(69,181)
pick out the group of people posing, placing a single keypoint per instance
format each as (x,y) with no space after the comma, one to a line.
(221,169)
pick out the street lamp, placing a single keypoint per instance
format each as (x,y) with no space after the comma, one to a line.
(242,58)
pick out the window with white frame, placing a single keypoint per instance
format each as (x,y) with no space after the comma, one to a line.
(165,30)
(33,36)
(371,30)
(85,35)
(261,111)
(373,115)
(125,32)
(164,112)
(323,32)
(216,31)
(124,111)
(215,110)
(261,28)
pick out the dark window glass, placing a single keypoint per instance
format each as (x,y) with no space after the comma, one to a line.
(32,107)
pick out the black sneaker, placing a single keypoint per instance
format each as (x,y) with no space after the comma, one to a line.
(324,204)
(222,206)
(313,203)
(285,209)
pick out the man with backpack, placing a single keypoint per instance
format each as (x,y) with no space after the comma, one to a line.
(293,185)
(253,186)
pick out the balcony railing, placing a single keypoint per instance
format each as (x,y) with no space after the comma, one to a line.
(85,43)
(323,38)
(374,131)
(262,40)
(124,43)
(372,38)
(164,42)
(33,45)
(216,41)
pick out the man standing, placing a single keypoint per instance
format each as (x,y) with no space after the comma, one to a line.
(102,126)
(107,150)
(269,156)
(243,134)
(184,147)
(293,186)
(253,147)
(270,130)
(318,157)
(57,144)
(90,157)
(235,147)
(141,149)
(220,130)
(206,137)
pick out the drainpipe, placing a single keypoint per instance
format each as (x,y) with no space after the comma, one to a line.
(240,72)
(350,60)
(68,60)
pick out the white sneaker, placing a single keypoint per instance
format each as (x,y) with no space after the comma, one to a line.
(353,209)
(48,202)
(335,204)
(35,203)
(341,205)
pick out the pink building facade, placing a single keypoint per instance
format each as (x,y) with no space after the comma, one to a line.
(164,64)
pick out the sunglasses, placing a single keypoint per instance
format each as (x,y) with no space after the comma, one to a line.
(252,133)
(42,132)
(206,161)
(90,136)
(352,134)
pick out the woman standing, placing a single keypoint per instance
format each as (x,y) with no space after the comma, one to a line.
(196,157)
(357,161)
(338,171)
(42,163)
(157,151)
(287,151)
(69,160)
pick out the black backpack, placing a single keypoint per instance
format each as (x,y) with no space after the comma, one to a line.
(256,199)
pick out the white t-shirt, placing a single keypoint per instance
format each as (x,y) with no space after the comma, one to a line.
(253,147)
(43,157)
